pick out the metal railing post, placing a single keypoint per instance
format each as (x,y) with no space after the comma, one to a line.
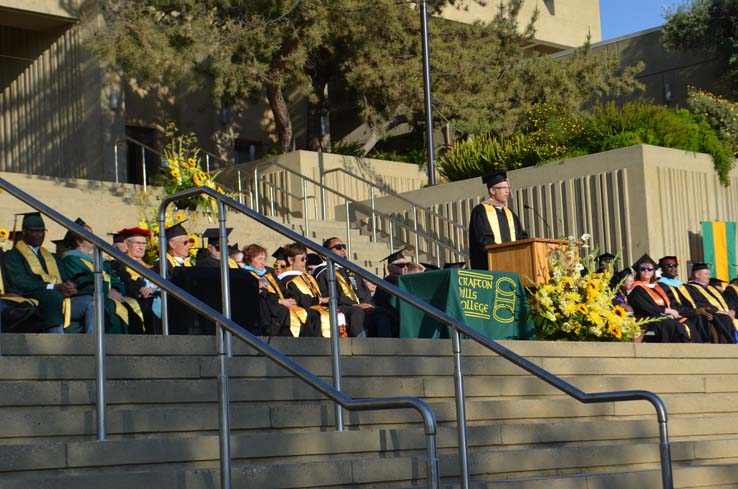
(392,236)
(143,167)
(99,304)
(163,271)
(271,199)
(207,162)
(438,254)
(256,190)
(240,187)
(335,335)
(417,236)
(224,426)
(115,155)
(460,411)
(225,278)
(348,231)
(305,208)
(374,216)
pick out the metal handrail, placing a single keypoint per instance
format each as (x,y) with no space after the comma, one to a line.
(398,196)
(356,204)
(224,323)
(372,211)
(459,329)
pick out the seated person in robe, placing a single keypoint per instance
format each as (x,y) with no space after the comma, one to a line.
(137,286)
(33,272)
(302,287)
(178,248)
(122,314)
(279,314)
(649,300)
(210,256)
(711,301)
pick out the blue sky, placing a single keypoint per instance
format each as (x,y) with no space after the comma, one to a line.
(620,17)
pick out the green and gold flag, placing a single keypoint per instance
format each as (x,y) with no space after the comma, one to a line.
(718,242)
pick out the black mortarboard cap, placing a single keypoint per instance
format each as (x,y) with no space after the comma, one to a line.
(213,235)
(664,258)
(429,267)
(458,264)
(494,178)
(176,230)
(233,248)
(394,256)
(698,265)
(313,259)
(279,254)
(60,242)
(80,222)
(605,257)
(716,282)
(117,237)
(643,259)
(32,220)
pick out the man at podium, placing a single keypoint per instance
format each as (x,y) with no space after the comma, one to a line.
(492,222)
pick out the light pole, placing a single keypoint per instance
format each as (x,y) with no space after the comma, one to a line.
(427,93)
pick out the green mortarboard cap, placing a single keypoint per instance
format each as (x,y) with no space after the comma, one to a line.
(213,235)
(32,220)
(176,231)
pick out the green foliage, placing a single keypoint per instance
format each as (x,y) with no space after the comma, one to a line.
(412,155)
(553,134)
(708,25)
(719,113)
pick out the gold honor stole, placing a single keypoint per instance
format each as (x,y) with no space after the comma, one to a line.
(133,273)
(174,263)
(494,223)
(306,284)
(715,298)
(53,277)
(120,309)
(298,315)
(346,286)
(661,299)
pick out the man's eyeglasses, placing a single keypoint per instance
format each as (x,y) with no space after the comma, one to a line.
(669,265)
(646,269)
(339,246)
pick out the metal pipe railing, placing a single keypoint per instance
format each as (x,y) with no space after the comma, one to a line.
(345,401)
(461,328)
(257,205)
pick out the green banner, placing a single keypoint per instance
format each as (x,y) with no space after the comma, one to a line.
(493,303)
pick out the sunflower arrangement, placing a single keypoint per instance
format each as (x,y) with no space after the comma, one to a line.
(576,304)
(182,170)
(4,235)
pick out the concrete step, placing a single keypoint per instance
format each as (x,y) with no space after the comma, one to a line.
(344,461)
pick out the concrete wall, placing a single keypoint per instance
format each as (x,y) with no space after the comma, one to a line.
(635,200)
(54,116)
(560,24)
(393,176)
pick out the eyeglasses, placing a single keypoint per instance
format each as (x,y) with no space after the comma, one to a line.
(646,269)
(669,265)
(340,246)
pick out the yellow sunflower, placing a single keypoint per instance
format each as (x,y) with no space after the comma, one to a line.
(4,234)
(175,173)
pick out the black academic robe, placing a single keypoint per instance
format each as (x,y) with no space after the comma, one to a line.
(731,297)
(275,318)
(355,316)
(701,330)
(666,330)
(133,283)
(481,235)
(722,324)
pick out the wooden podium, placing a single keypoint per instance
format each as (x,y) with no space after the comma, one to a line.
(527,257)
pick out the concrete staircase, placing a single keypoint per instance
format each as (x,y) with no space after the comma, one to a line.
(522,433)
(108,207)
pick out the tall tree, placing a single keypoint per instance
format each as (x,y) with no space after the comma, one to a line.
(708,25)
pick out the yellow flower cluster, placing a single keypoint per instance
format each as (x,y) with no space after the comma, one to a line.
(720,113)
(578,306)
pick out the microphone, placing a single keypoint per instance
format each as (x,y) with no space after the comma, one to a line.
(537,214)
